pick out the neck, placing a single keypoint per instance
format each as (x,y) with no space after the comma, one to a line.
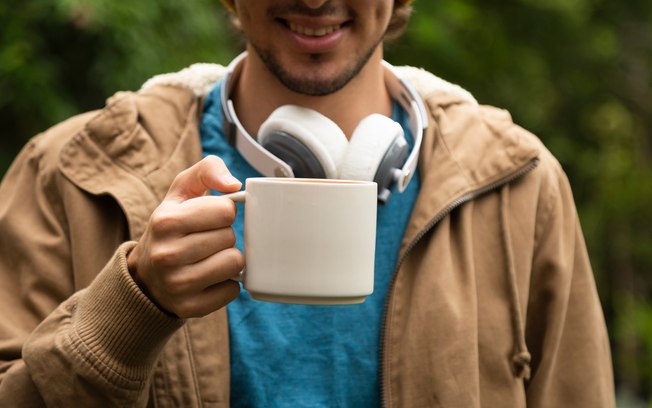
(258,93)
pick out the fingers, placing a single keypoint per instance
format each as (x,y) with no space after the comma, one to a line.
(194,215)
(211,299)
(185,258)
(196,278)
(209,173)
(202,288)
(191,248)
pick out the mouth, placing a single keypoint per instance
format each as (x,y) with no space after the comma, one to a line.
(315,35)
(313,32)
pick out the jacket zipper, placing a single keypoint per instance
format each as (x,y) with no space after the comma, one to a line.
(438,217)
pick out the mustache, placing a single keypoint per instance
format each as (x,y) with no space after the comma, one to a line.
(297,8)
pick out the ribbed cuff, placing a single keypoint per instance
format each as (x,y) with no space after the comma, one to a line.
(117,329)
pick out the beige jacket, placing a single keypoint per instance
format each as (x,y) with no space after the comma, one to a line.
(493,302)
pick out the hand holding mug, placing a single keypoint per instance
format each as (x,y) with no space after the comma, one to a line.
(185,260)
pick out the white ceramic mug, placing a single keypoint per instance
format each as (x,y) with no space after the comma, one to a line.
(309,241)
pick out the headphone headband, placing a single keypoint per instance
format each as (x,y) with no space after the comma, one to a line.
(271,166)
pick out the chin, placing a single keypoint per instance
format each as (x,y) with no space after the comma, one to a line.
(317,77)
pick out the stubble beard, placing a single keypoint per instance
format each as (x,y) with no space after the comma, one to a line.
(313,85)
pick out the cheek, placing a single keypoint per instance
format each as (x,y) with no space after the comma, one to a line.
(382,12)
(251,16)
(245,18)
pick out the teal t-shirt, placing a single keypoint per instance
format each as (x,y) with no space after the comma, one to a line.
(308,356)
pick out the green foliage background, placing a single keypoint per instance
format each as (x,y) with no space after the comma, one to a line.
(578,73)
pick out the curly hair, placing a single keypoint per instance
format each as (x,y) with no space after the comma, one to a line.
(399,21)
(397,24)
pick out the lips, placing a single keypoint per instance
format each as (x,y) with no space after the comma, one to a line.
(315,37)
(313,32)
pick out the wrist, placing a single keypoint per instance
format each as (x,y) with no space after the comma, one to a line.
(132,267)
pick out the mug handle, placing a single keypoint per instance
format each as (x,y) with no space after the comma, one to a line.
(238,197)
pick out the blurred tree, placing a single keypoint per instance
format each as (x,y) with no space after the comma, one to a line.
(59,58)
(577,73)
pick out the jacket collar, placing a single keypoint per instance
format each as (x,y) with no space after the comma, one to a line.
(469,150)
(134,147)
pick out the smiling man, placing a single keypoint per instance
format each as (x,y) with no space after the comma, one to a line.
(117,269)
(299,52)
(316,51)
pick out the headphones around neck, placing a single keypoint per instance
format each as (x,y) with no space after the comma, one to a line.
(299,142)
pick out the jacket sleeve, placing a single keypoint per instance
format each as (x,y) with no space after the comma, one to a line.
(565,329)
(61,347)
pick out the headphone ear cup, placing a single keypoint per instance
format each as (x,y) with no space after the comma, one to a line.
(371,141)
(305,139)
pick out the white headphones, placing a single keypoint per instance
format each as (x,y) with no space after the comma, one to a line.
(300,142)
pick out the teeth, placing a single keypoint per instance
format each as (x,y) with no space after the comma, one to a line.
(314,32)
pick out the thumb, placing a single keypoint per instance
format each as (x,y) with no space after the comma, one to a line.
(208,173)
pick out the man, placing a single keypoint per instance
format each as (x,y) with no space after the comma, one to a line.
(116,267)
